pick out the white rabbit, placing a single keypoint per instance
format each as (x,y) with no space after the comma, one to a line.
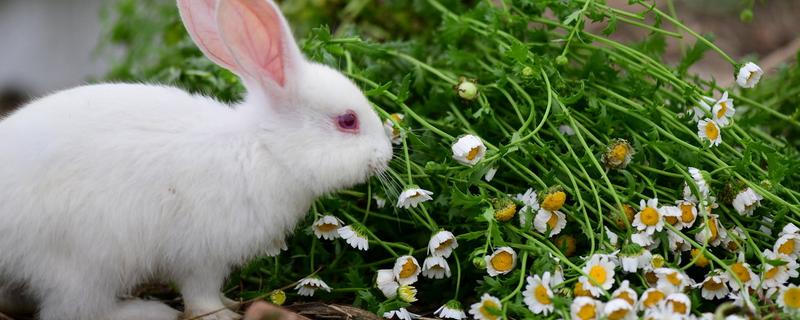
(106,186)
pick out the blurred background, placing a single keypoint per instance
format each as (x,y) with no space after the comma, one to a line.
(48,45)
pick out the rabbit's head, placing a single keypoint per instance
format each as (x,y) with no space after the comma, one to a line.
(310,116)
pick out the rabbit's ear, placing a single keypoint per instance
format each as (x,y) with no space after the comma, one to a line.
(200,19)
(259,39)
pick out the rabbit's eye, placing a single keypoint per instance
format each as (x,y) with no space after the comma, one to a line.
(347,122)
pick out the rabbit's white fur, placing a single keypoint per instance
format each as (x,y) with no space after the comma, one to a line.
(106,186)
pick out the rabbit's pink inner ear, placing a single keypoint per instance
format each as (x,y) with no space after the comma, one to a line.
(200,19)
(257,37)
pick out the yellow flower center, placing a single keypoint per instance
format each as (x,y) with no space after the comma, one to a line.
(485,306)
(445,244)
(618,153)
(741,271)
(506,213)
(396,117)
(502,261)
(687,216)
(671,220)
(650,216)
(598,274)
(553,221)
(772,272)
(674,279)
(678,307)
(579,291)
(625,295)
(409,268)
(712,132)
(473,153)
(700,259)
(587,311)
(712,227)
(653,297)
(327,227)
(554,201)
(540,293)
(651,277)
(723,109)
(787,247)
(618,314)
(792,297)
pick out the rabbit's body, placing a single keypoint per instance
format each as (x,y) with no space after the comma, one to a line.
(73,158)
(107,186)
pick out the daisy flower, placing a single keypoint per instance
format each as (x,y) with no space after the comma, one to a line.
(677,243)
(442,244)
(490,174)
(712,233)
(788,242)
(435,268)
(688,213)
(637,258)
(277,297)
(386,283)
(624,292)
(749,75)
(651,297)
(645,240)
(401,314)
(451,310)
(671,280)
(714,286)
(489,308)
(396,134)
(618,154)
(777,275)
(355,237)
(702,110)
(307,286)
(619,309)
(732,239)
(579,291)
(599,273)
(700,180)
(327,227)
(746,202)
(585,308)
(553,200)
(662,311)
(672,216)
(709,129)
(566,130)
(741,270)
(380,202)
(613,238)
(406,269)
(501,261)
(504,209)
(555,221)
(789,298)
(407,294)
(468,150)
(723,110)
(412,197)
(537,295)
(679,303)
(528,200)
(648,219)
